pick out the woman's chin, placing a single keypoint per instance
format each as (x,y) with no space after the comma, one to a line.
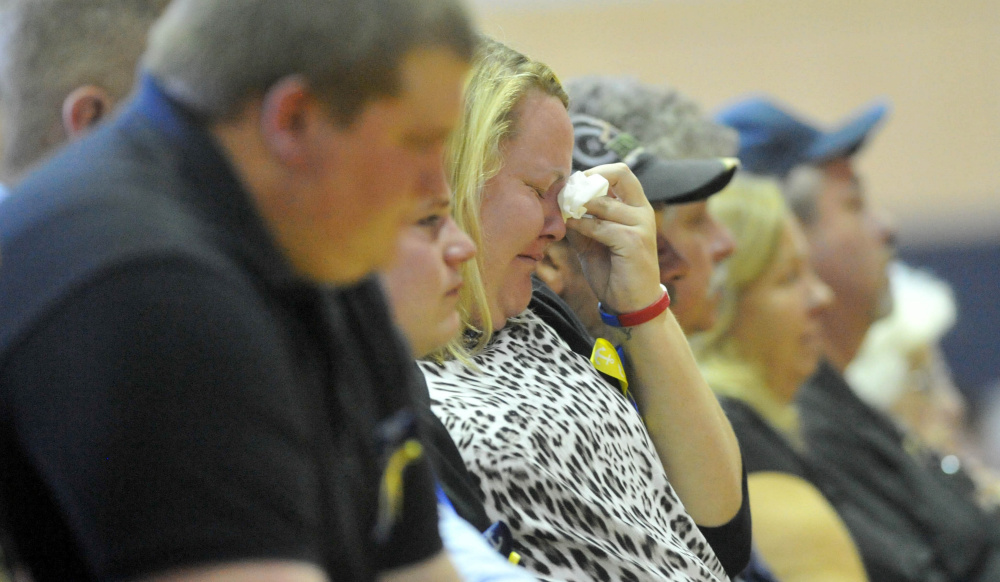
(513,301)
(807,366)
(450,327)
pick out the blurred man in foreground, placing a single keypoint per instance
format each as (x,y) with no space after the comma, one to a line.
(186,396)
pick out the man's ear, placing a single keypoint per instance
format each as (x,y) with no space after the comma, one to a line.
(288,115)
(83,108)
(552,268)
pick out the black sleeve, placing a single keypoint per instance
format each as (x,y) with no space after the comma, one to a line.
(416,536)
(732,541)
(160,410)
(762,447)
(382,380)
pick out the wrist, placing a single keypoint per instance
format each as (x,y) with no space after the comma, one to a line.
(639,317)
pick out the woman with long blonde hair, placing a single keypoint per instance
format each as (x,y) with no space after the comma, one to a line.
(766,342)
(559,453)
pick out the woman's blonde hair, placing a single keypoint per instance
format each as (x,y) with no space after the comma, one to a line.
(500,79)
(754,211)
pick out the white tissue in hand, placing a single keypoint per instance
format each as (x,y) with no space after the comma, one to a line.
(579,190)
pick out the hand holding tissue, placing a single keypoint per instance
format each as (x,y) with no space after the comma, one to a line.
(578,191)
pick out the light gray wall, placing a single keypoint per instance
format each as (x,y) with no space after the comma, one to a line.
(934,164)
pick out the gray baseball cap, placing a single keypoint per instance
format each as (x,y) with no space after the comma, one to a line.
(670,181)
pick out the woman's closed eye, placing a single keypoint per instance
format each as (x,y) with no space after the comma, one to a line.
(538,190)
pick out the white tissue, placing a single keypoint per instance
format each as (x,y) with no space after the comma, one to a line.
(579,190)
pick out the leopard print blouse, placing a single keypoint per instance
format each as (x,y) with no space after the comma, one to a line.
(566,462)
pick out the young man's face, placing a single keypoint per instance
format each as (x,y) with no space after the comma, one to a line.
(698,244)
(850,244)
(366,178)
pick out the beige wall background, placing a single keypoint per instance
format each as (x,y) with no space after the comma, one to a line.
(934,165)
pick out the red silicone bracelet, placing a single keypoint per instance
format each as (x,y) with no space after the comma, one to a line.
(637,317)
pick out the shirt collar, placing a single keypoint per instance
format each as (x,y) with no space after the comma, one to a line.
(214,189)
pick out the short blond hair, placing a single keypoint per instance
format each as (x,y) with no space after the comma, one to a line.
(500,78)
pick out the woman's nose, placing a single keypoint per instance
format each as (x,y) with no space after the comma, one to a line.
(554,226)
(458,246)
(820,294)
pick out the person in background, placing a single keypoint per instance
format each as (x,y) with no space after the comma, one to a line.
(58,78)
(672,187)
(901,371)
(423,281)
(765,343)
(670,126)
(899,367)
(914,523)
(201,381)
(65,65)
(560,454)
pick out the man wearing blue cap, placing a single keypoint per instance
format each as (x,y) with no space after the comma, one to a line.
(851,244)
(910,521)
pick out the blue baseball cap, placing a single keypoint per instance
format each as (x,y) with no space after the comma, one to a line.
(773,140)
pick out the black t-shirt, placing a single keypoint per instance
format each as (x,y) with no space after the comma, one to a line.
(764,449)
(911,523)
(889,550)
(730,541)
(172,395)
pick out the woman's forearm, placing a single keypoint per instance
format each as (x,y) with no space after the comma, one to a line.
(689,430)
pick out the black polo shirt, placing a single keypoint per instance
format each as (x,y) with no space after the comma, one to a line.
(172,394)
(911,522)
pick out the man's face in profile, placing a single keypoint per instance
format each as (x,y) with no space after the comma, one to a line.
(370,175)
(851,245)
(696,243)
